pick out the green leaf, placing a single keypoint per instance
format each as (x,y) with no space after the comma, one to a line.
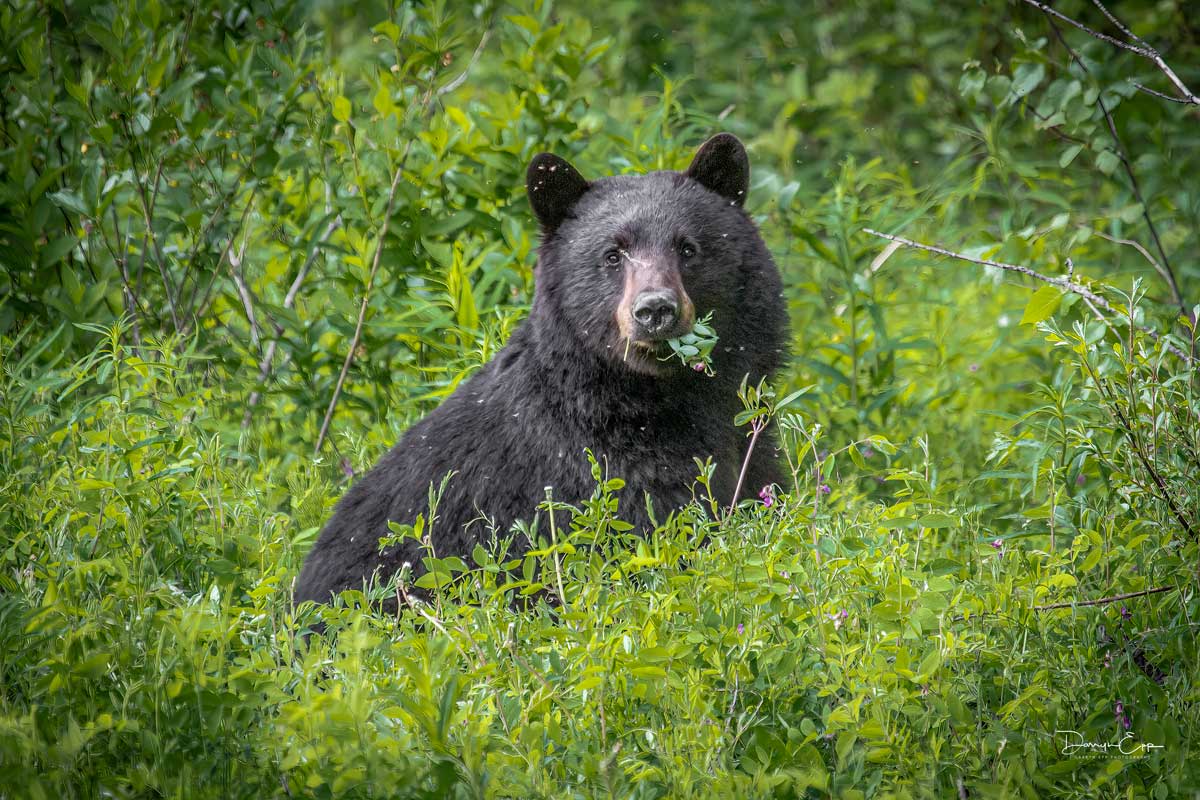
(69,201)
(1068,155)
(341,109)
(1043,304)
(1107,162)
(1026,78)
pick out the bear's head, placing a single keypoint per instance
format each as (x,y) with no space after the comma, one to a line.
(630,261)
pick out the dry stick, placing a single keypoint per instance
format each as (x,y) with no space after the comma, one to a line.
(1065,284)
(1168,274)
(235,267)
(1145,50)
(1105,600)
(756,429)
(207,296)
(264,367)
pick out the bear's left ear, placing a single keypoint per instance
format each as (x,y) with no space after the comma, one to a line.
(721,164)
(554,187)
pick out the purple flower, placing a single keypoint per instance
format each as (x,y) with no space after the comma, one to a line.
(741,629)
(698,366)
(1119,708)
(974,368)
(1125,722)
(767,495)
(824,488)
(1080,479)
(1125,613)
(867,452)
(998,544)
(1108,660)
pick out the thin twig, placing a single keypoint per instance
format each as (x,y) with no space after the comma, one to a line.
(1130,35)
(1127,428)
(1157,93)
(235,269)
(462,78)
(362,308)
(1066,284)
(216,273)
(1104,600)
(1162,271)
(264,366)
(164,273)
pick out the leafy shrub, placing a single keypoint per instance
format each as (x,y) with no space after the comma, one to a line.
(242,247)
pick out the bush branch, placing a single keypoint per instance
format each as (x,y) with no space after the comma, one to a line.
(1167,273)
(1141,48)
(1067,284)
(1104,600)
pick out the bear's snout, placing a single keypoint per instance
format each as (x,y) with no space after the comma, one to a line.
(656,312)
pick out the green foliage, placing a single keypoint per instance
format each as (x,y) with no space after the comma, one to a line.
(233,235)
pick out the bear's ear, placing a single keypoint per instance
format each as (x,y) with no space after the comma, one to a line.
(722,166)
(554,187)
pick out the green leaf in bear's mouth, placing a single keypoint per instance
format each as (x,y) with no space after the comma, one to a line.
(695,348)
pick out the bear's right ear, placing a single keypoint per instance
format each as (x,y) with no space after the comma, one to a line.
(554,187)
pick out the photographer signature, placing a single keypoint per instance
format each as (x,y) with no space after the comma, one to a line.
(1127,745)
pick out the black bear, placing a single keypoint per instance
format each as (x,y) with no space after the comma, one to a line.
(625,263)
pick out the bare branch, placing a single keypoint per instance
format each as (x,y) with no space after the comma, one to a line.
(1144,50)
(1105,600)
(1157,93)
(1104,37)
(1067,284)
(1136,246)
(430,94)
(1130,35)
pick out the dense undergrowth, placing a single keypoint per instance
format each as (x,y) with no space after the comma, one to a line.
(201,204)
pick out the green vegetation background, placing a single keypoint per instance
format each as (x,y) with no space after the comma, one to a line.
(243,246)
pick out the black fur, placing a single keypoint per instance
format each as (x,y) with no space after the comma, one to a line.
(562,384)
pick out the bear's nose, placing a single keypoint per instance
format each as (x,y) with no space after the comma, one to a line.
(655,311)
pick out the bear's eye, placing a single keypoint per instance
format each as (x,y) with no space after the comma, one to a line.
(686,250)
(612,258)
